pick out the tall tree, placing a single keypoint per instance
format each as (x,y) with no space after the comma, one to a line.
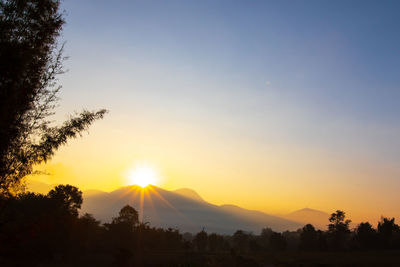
(31,59)
(69,197)
(338,222)
(339,229)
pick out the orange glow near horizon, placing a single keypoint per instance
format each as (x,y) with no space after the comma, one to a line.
(273,119)
(274,179)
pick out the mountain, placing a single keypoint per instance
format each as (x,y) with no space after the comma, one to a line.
(91,192)
(39,187)
(316,217)
(189,193)
(183,209)
(43,188)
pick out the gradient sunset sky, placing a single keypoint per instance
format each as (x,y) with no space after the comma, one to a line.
(270,105)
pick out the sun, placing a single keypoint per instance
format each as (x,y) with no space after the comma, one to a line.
(143,176)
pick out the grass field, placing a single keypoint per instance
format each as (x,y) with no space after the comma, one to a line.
(269,259)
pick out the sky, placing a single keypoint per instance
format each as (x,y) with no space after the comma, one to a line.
(269,105)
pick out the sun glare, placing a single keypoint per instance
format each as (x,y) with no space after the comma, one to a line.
(143,176)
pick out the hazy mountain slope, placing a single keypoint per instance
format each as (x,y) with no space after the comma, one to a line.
(91,192)
(43,188)
(170,209)
(39,187)
(189,193)
(316,217)
(274,222)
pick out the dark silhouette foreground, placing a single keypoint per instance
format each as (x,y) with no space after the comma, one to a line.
(46,230)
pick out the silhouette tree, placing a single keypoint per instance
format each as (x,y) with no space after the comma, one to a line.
(121,235)
(30,63)
(365,236)
(69,197)
(338,229)
(88,233)
(388,233)
(128,216)
(308,238)
(338,222)
(41,225)
(37,229)
(27,223)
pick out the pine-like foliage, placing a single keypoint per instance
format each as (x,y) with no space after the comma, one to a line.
(30,62)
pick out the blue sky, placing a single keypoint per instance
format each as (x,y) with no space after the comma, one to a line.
(319,77)
(330,61)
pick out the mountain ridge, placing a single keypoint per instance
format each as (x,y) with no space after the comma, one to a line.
(189,193)
(317,218)
(182,208)
(164,208)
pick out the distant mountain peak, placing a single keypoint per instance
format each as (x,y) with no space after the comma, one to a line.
(308,210)
(317,218)
(132,187)
(183,209)
(189,193)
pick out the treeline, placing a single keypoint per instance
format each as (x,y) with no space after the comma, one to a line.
(39,229)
